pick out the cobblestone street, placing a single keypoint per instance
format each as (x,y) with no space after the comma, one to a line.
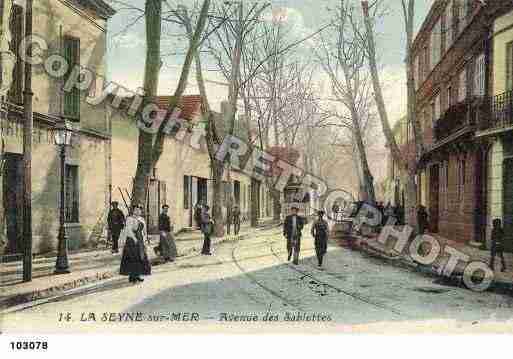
(248,285)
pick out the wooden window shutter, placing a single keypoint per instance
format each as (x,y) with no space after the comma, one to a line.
(15,93)
(72,98)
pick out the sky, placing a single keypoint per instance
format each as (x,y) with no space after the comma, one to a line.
(126,50)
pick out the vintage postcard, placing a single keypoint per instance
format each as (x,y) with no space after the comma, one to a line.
(256,167)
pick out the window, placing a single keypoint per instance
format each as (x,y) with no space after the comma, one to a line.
(15,94)
(437,107)
(463,13)
(479,76)
(449,97)
(509,66)
(186,191)
(449,25)
(433,112)
(425,69)
(445,183)
(461,178)
(72,97)
(71,208)
(462,85)
(416,78)
(227,188)
(436,45)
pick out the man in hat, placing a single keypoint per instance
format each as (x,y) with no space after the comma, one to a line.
(116,223)
(292,228)
(320,232)
(167,246)
(207,228)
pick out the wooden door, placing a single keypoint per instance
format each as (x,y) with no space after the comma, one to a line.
(434,198)
(12,182)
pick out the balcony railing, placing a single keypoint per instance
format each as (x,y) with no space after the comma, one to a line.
(499,114)
(458,116)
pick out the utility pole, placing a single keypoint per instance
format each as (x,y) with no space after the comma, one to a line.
(28,127)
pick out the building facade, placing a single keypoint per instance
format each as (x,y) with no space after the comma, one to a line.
(454,68)
(77,30)
(183,176)
(497,131)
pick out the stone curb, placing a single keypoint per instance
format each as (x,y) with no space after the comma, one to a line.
(21,301)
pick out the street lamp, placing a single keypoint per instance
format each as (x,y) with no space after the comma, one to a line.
(62,139)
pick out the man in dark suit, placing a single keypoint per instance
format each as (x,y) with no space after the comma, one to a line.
(116,223)
(292,228)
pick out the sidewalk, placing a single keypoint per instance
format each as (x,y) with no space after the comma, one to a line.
(502,280)
(89,268)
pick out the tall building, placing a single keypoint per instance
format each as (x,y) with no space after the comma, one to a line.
(71,32)
(455,70)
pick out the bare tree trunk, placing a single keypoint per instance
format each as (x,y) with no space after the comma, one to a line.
(411,198)
(255,208)
(151,79)
(217,210)
(211,139)
(376,83)
(411,166)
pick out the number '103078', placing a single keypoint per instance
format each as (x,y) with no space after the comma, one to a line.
(29,345)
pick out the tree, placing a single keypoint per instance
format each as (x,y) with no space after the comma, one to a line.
(411,166)
(150,146)
(342,56)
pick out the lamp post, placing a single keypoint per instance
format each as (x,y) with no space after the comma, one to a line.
(62,139)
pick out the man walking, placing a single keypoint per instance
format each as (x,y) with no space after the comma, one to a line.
(292,228)
(236,219)
(167,246)
(207,228)
(320,233)
(116,223)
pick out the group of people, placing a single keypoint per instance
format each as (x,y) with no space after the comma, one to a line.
(292,231)
(390,211)
(132,231)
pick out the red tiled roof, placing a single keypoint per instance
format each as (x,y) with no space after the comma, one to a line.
(189,104)
(287,154)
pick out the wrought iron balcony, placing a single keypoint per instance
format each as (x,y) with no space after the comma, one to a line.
(457,117)
(499,113)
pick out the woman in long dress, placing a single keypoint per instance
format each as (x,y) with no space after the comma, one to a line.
(134,261)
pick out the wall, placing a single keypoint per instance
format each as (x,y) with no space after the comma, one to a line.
(89,153)
(91,149)
(179,159)
(500,42)
(49,16)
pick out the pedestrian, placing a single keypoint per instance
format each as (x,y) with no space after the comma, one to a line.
(116,223)
(292,228)
(229,214)
(320,232)
(335,209)
(399,214)
(497,244)
(381,208)
(134,260)
(207,228)
(236,219)
(167,246)
(422,219)
(389,212)
(198,208)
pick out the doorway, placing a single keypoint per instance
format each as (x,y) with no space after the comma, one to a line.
(434,197)
(12,184)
